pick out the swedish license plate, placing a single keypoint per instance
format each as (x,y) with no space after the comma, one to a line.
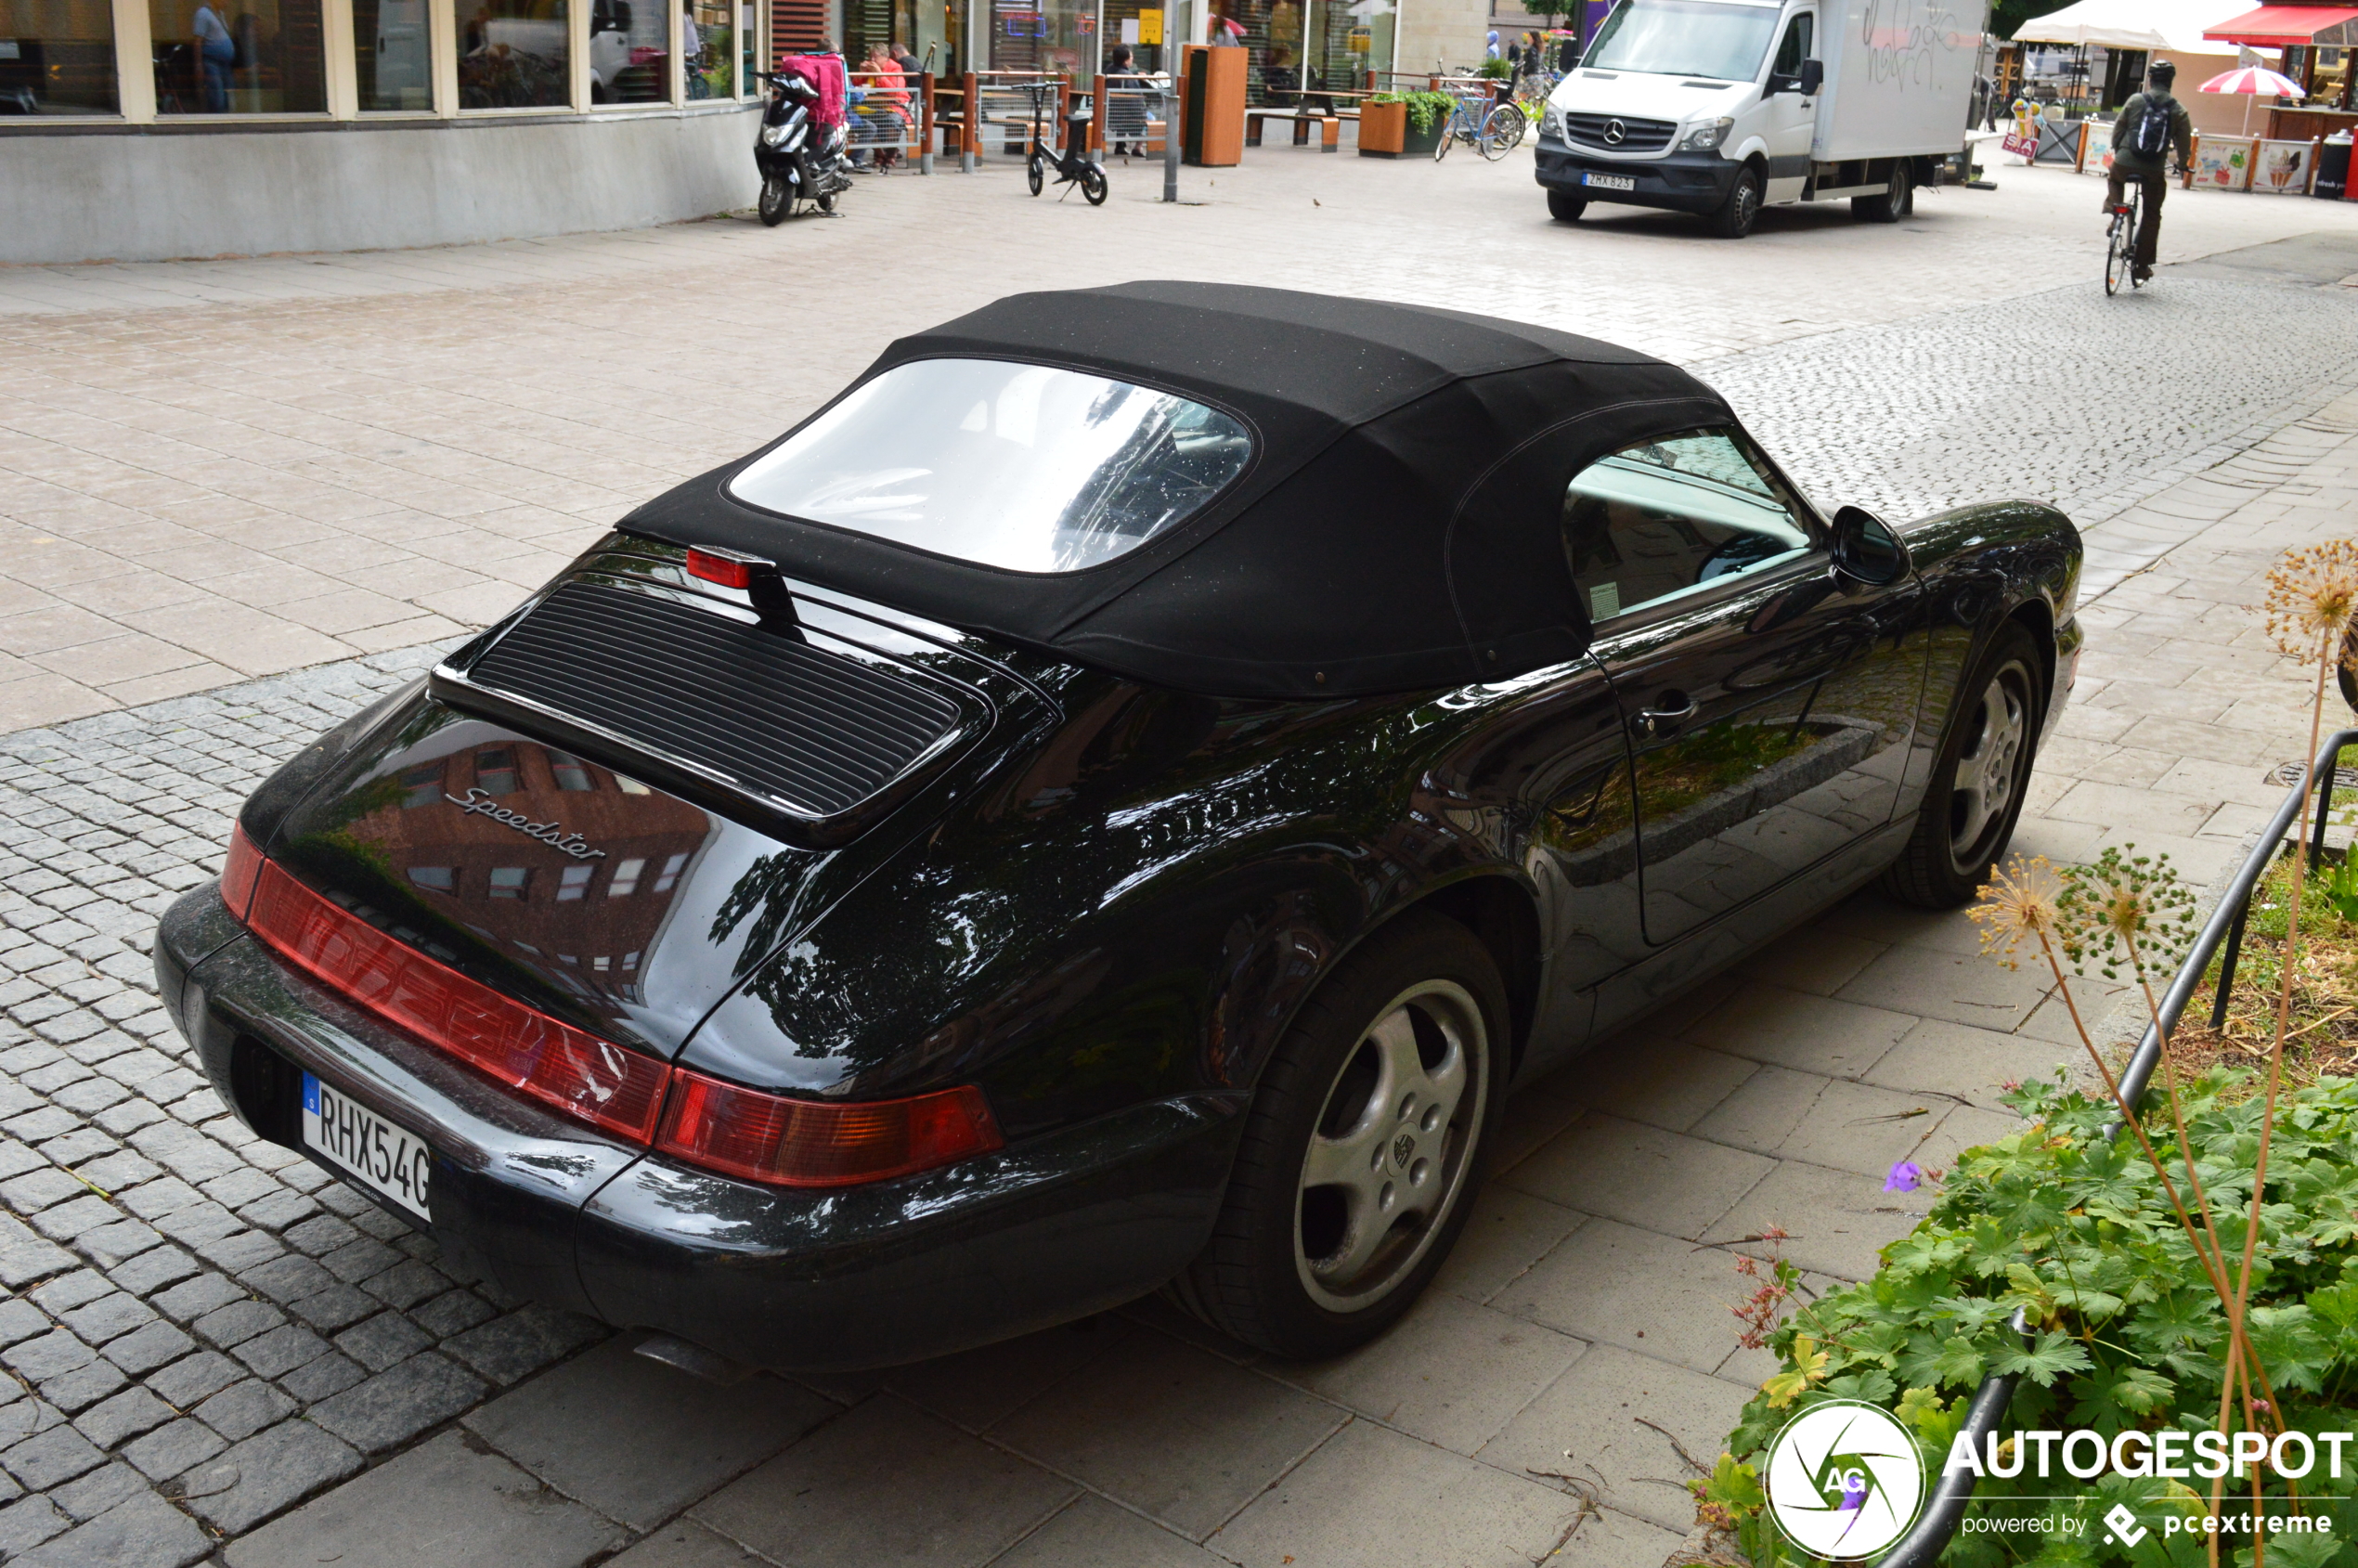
(358,1141)
(1609,182)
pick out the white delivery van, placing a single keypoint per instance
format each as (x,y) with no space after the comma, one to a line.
(1723,106)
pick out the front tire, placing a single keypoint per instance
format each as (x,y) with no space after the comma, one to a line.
(1735,217)
(1565,207)
(1035,172)
(1977,791)
(1370,1130)
(777,201)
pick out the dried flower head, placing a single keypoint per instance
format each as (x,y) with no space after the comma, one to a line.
(2017,901)
(2313,596)
(2125,911)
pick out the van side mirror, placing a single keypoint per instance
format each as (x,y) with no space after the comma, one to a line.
(1866,548)
(1813,76)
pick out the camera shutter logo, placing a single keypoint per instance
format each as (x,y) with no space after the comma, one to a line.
(1843,1480)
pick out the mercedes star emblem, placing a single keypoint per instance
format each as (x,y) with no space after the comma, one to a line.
(1616,133)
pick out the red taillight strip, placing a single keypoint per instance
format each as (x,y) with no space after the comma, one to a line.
(569,1069)
(764,1137)
(239,871)
(725,1127)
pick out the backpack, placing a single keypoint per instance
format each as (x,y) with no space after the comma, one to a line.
(2151,138)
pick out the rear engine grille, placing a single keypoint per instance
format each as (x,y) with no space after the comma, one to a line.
(1636,135)
(800,723)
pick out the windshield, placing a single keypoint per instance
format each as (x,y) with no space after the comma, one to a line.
(1016,466)
(1684,38)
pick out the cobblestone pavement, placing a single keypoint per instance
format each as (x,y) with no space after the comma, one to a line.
(212,1349)
(223,468)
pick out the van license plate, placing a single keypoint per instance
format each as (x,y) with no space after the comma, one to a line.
(356,1140)
(1609,182)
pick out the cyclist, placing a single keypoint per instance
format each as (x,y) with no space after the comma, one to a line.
(2152,125)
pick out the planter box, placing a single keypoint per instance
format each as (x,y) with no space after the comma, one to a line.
(1384,131)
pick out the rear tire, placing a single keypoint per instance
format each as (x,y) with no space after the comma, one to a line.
(1390,1078)
(1977,788)
(1502,132)
(1565,207)
(1898,200)
(1736,215)
(1093,185)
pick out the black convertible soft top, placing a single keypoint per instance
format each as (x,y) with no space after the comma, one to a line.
(1399,527)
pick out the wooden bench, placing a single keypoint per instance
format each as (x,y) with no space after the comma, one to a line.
(1329,126)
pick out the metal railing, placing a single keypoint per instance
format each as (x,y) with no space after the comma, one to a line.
(1945,1509)
(887,124)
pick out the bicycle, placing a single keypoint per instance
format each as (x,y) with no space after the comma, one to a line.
(1073,164)
(2120,243)
(1493,133)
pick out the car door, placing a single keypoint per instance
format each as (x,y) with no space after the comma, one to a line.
(1790,121)
(1768,697)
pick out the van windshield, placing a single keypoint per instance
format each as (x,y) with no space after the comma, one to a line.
(1684,38)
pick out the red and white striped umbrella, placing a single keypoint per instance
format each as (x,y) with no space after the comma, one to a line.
(2253,79)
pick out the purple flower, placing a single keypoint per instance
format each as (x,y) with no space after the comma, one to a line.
(1854,1495)
(1905,1177)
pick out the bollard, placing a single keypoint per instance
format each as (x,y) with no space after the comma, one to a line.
(969,134)
(924,122)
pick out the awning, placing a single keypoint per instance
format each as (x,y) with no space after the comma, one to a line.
(2281,26)
(2111,24)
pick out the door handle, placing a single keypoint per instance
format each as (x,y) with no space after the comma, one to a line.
(1655,722)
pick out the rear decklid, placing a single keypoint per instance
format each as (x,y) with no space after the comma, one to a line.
(614,804)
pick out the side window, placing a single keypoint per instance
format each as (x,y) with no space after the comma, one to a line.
(1796,48)
(1663,517)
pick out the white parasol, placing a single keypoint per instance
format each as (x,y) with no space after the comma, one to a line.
(2251,81)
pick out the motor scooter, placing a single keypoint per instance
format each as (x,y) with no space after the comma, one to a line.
(798,161)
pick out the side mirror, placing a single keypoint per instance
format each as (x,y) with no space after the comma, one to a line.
(1866,549)
(1813,76)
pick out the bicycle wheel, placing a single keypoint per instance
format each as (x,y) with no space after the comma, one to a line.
(1035,172)
(1093,185)
(2119,246)
(1502,132)
(1448,134)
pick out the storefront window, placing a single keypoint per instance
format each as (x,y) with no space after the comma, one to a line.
(707,50)
(747,31)
(512,55)
(628,40)
(238,57)
(1348,40)
(57,56)
(1051,35)
(392,53)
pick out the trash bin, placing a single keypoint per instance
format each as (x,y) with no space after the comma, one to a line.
(2333,167)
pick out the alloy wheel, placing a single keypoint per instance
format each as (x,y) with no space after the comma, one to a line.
(1991,768)
(1393,1140)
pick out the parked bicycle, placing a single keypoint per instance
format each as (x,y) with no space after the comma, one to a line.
(1073,164)
(1492,130)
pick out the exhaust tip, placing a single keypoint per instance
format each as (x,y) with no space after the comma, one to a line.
(694,1360)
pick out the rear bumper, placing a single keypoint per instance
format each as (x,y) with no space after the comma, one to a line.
(1051,1229)
(1686,182)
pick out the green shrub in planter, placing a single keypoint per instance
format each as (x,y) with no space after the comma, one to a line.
(2074,1230)
(1428,113)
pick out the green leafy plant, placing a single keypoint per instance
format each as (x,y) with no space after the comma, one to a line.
(1425,109)
(1494,71)
(2071,1228)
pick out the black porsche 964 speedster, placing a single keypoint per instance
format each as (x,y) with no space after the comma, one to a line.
(1115,799)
